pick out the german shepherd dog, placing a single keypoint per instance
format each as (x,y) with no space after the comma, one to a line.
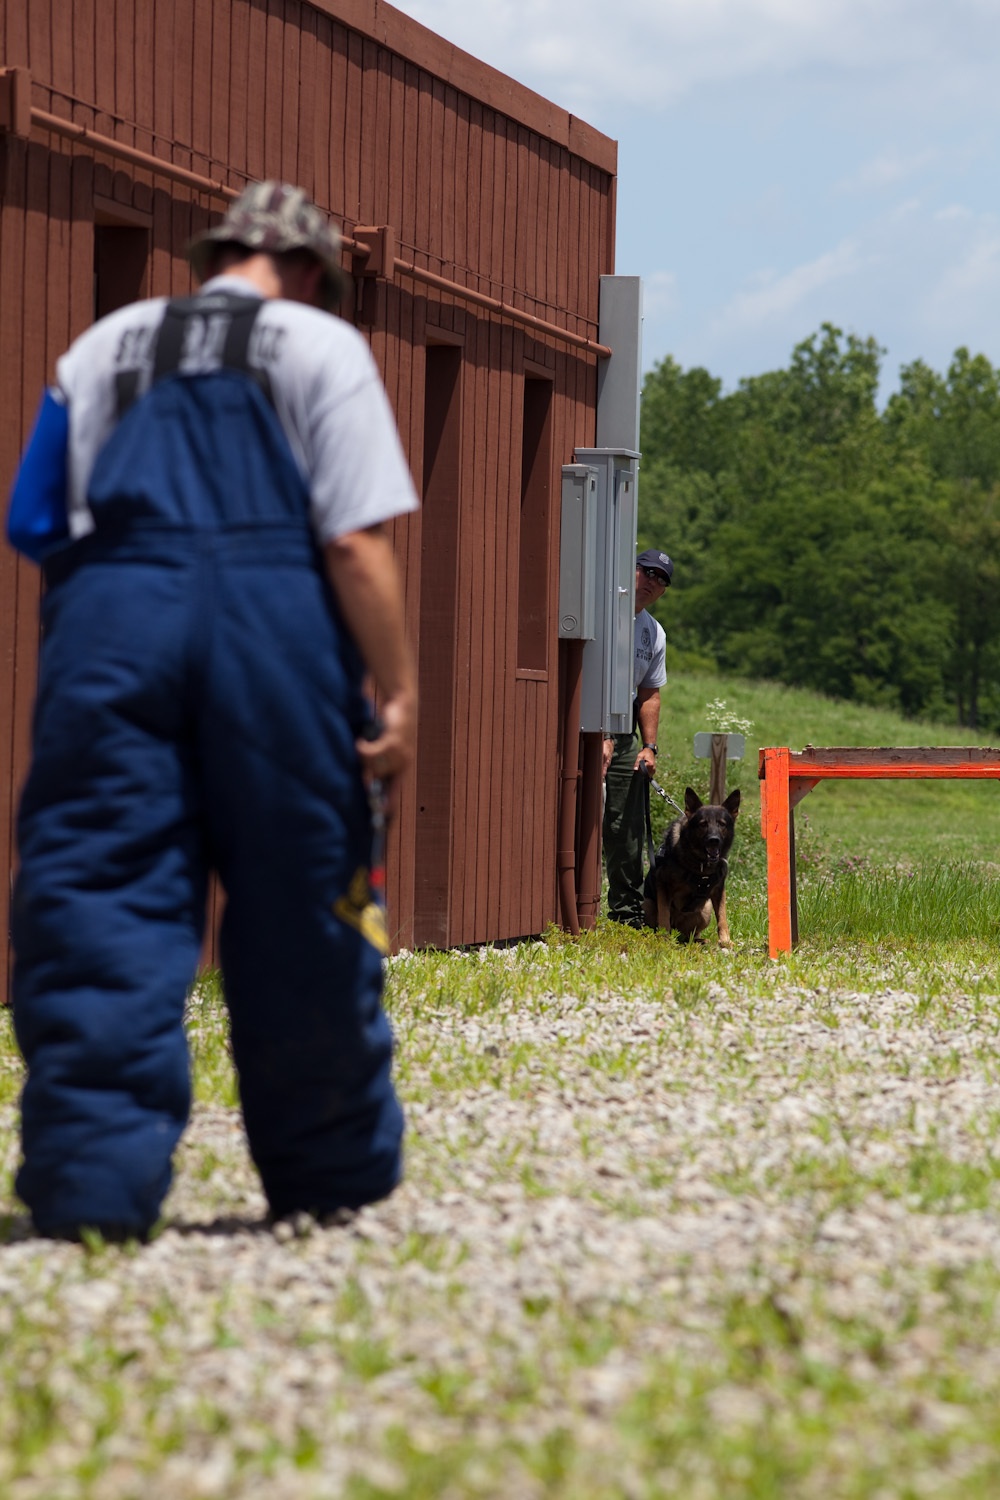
(688,875)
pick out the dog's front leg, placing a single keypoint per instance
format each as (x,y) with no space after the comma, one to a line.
(663,911)
(720,919)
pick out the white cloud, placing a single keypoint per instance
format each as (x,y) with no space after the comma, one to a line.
(658,51)
(659,294)
(888,169)
(922,284)
(966,293)
(847,145)
(768,210)
(777,297)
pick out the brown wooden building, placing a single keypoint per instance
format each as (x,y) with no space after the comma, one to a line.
(478,220)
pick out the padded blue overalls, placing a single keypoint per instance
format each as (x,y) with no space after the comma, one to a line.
(198,705)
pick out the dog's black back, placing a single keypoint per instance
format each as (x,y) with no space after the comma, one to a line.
(688,878)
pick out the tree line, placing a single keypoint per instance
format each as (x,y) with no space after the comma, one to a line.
(824,543)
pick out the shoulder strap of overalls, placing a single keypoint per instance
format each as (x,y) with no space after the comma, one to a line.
(218,325)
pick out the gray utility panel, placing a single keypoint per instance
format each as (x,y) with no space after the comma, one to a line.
(607,687)
(597,581)
(578,553)
(599,516)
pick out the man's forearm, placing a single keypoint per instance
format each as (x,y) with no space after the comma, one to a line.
(365,578)
(647,713)
(648,717)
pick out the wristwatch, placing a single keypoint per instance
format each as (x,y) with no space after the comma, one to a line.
(655,748)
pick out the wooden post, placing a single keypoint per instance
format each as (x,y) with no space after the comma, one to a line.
(15,101)
(717,781)
(719,748)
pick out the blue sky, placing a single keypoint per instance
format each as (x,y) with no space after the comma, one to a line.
(782,163)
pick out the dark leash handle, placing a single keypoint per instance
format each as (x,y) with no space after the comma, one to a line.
(650,781)
(378,792)
(639,787)
(647,818)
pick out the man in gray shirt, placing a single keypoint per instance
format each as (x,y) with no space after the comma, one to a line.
(624,764)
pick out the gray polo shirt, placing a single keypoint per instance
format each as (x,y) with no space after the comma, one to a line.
(650,653)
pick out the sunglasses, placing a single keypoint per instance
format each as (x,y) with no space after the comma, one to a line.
(654,575)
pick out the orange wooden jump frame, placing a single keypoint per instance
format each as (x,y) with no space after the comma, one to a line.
(786,776)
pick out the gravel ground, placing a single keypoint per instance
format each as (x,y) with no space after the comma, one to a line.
(645,1247)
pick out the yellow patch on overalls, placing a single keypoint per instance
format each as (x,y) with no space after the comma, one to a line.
(364,914)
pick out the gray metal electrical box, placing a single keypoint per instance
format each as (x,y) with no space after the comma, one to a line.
(578,553)
(608,656)
(609,495)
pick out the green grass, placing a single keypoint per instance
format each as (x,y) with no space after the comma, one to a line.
(888,822)
(207,1025)
(937,903)
(835,1114)
(781,1371)
(904,861)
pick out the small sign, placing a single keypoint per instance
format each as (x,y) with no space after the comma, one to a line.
(735,746)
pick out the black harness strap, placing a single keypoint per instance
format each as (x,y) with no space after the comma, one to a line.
(170,339)
(215,310)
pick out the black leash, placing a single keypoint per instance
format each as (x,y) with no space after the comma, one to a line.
(652,782)
(665,795)
(650,847)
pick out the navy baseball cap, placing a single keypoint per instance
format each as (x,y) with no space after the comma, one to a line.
(657,562)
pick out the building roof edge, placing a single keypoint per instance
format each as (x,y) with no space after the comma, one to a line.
(416,43)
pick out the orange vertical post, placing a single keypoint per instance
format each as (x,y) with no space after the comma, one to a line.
(776,815)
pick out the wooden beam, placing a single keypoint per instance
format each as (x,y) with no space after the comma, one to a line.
(15,102)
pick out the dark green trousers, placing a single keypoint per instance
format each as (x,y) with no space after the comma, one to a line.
(624,832)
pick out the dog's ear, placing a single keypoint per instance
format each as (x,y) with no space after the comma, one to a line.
(732,803)
(692,801)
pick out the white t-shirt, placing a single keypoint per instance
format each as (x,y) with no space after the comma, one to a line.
(650,652)
(327,391)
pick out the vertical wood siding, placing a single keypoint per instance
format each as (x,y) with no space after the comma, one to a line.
(241,89)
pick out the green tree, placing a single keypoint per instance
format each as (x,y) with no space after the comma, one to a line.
(953,422)
(684,422)
(969,582)
(954,419)
(822,543)
(685,428)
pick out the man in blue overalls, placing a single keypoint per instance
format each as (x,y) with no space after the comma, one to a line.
(206,487)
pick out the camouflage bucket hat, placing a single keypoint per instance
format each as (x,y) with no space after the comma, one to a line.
(275,217)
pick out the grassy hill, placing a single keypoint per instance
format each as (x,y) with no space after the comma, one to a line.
(885,822)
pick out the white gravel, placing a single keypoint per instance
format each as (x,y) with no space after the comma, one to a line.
(595,1190)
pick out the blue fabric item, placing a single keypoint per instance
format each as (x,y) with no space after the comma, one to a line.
(198,705)
(36,518)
